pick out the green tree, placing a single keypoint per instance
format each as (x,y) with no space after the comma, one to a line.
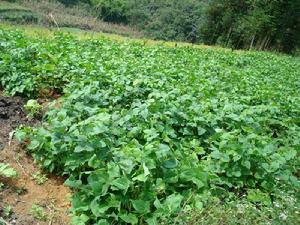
(112,10)
(242,24)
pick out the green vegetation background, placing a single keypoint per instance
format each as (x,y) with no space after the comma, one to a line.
(259,24)
(238,24)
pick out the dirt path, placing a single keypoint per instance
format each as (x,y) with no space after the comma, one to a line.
(30,203)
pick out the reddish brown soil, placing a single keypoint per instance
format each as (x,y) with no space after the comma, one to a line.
(22,192)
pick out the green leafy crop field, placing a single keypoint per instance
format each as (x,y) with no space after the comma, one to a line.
(147,133)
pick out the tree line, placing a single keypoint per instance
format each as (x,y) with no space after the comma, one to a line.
(238,24)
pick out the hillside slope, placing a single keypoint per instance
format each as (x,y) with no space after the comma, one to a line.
(56,15)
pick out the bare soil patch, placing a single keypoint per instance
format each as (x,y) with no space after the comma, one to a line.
(22,193)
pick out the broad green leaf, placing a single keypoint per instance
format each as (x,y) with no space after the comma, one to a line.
(140,177)
(129,218)
(102,222)
(7,171)
(121,183)
(34,144)
(258,197)
(173,202)
(151,221)
(98,209)
(141,206)
(170,163)
(80,220)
